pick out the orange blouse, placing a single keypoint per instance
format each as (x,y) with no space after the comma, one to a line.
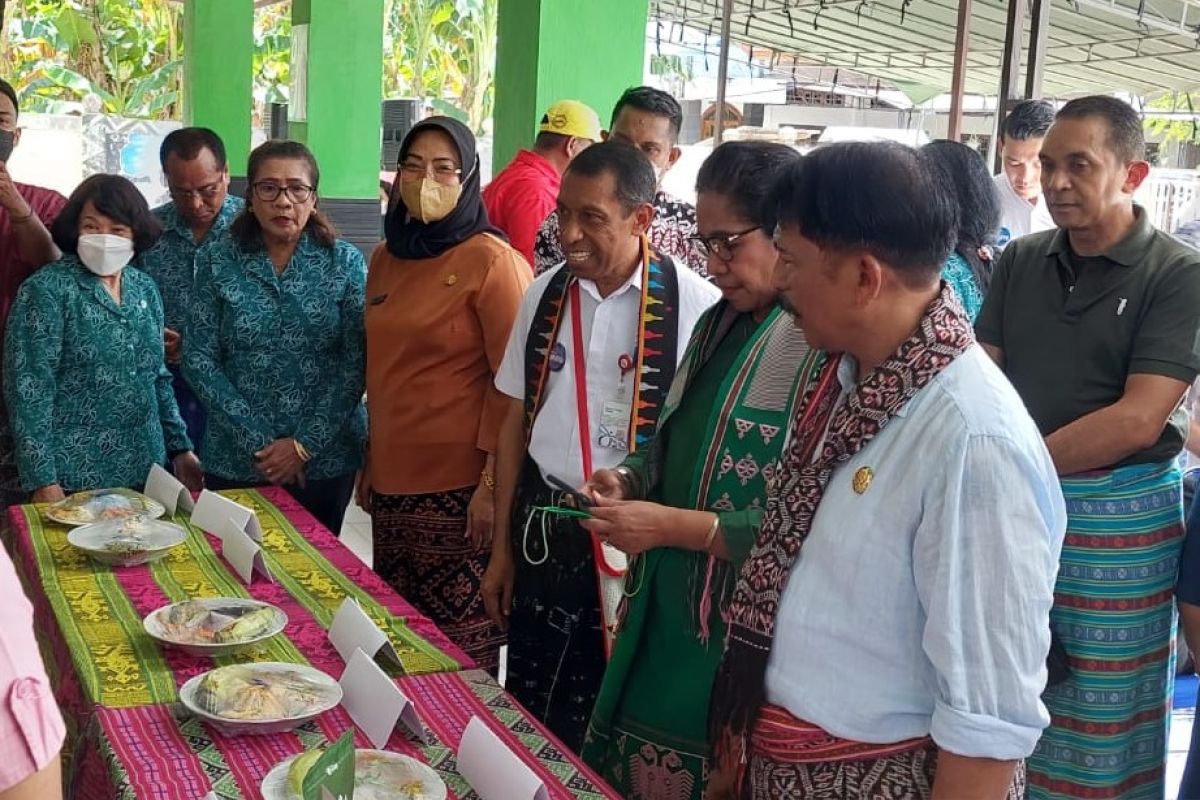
(436,332)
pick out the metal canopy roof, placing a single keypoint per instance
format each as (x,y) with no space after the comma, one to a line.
(1093,45)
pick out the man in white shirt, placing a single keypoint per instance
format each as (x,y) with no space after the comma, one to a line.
(902,652)
(1022,209)
(594,348)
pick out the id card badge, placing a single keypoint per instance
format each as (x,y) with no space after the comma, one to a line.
(614,424)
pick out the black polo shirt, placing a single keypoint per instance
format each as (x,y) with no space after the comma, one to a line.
(1073,329)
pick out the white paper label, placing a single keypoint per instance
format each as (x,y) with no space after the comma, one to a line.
(166,489)
(213,511)
(352,628)
(493,770)
(242,553)
(376,703)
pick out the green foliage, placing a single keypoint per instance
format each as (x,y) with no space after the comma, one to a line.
(1183,130)
(125,56)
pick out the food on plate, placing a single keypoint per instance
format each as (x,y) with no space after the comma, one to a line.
(377,776)
(199,622)
(243,692)
(300,767)
(101,505)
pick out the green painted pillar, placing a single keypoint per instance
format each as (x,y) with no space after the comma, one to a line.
(339,114)
(218,50)
(549,50)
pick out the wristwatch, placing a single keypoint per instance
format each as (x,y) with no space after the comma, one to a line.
(631,482)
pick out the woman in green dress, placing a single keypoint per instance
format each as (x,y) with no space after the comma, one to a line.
(88,392)
(689,505)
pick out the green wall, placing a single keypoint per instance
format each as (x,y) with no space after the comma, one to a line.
(345,87)
(547,50)
(218,54)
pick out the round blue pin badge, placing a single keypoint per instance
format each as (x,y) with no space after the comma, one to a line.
(558,357)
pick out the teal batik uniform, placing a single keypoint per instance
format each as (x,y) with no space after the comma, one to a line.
(88,396)
(276,356)
(172,260)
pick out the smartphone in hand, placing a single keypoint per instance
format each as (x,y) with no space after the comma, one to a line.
(581,500)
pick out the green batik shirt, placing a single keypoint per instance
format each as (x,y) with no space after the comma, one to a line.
(172,261)
(276,356)
(88,396)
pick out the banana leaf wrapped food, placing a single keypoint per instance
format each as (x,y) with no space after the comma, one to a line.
(252,692)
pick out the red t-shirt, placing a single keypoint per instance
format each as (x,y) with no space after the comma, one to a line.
(47,204)
(519,199)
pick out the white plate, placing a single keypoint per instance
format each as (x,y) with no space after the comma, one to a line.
(327,693)
(377,776)
(233,608)
(127,542)
(100,505)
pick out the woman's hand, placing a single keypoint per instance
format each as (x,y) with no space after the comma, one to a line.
(279,462)
(48,494)
(632,526)
(606,483)
(497,588)
(481,516)
(362,487)
(189,472)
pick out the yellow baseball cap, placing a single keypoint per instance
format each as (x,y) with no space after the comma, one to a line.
(571,118)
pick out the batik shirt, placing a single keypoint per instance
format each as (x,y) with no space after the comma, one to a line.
(670,233)
(88,395)
(172,261)
(275,356)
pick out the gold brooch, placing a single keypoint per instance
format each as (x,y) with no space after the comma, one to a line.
(862,479)
(451,280)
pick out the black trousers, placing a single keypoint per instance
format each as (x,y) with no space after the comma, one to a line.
(325,499)
(555,636)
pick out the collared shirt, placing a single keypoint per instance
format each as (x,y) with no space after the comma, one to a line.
(671,231)
(46,204)
(1018,216)
(273,356)
(609,326)
(172,260)
(519,199)
(921,606)
(88,394)
(1073,330)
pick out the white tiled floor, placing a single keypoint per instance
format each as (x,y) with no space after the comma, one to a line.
(356,533)
(1181,735)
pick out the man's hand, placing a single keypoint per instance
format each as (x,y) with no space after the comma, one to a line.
(480,516)
(497,588)
(279,462)
(632,527)
(606,483)
(48,494)
(362,487)
(189,472)
(173,343)
(10,199)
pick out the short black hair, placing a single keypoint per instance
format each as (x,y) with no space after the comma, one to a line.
(1029,119)
(742,172)
(116,198)
(653,101)
(245,228)
(879,196)
(186,144)
(8,91)
(964,170)
(549,140)
(629,167)
(1125,136)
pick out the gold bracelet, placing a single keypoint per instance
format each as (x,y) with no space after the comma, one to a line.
(489,480)
(712,532)
(302,451)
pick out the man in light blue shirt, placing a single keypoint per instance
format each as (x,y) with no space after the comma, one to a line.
(200,212)
(895,608)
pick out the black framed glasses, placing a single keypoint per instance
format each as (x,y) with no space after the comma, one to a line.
(296,192)
(721,245)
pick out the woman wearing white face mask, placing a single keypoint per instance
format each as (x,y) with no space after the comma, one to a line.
(88,392)
(442,294)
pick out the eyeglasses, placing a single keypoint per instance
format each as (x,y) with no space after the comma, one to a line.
(209,192)
(721,245)
(296,192)
(443,172)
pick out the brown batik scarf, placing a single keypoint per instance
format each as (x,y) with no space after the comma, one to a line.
(739,692)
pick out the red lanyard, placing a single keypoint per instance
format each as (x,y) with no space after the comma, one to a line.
(581,402)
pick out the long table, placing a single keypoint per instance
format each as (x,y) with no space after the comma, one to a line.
(128,736)
(162,753)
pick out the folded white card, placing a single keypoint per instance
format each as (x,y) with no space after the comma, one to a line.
(376,703)
(213,511)
(352,628)
(493,770)
(166,489)
(242,552)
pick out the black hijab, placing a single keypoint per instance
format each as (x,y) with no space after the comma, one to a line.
(407,236)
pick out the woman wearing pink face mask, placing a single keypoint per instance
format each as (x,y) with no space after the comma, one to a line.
(442,294)
(88,394)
